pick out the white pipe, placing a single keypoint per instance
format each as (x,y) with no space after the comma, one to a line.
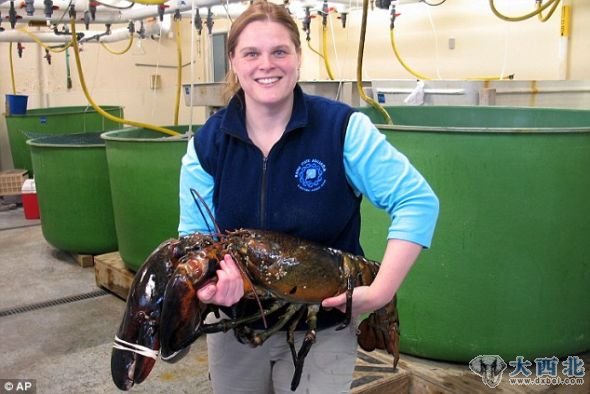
(563,47)
(50,37)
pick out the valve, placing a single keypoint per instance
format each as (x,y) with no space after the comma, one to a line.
(19,49)
(131,27)
(382,4)
(30,7)
(307,23)
(141,31)
(209,22)
(72,11)
(324,12)
(108,29)
(393,15)
(87,19)
(177,16)
(161,9)
(198,22)
(343,16)
(92,8)
(48,8)
(12,15)
(47,56)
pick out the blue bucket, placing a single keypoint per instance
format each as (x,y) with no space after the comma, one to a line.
(16,104)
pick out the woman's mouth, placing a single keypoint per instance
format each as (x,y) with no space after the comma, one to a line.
(267,81)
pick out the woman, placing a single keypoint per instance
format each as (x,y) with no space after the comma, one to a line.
(278,159)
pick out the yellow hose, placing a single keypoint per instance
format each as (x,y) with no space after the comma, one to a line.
(359,67)
(314,50)
(551,11)
(121,52)
(45,46)
(179,73)
(325,52)
(94,105)
(522,17)
(399,58)
(11,69)
(424,77)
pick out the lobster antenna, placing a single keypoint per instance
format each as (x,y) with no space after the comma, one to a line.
(201,201)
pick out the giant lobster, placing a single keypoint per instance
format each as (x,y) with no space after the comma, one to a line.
(163,315)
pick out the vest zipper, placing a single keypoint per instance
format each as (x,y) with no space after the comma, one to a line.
(263,192)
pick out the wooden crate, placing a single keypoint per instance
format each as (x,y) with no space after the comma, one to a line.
(84,260)
(11,182)
(111,274)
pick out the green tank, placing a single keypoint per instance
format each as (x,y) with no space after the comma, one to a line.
(144,168)
(508,272)
(41,122)
(73,191)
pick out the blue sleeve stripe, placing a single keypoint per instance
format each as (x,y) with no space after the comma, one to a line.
(192,175)
(385,176)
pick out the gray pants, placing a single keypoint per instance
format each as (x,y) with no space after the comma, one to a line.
(239,368)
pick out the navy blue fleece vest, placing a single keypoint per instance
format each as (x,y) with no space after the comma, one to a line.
(300,188)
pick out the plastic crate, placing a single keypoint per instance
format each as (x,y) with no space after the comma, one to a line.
(11,182)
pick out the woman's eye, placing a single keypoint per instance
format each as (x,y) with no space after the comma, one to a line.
(251,54)
(280,52)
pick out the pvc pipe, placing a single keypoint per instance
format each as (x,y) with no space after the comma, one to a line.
(50,37)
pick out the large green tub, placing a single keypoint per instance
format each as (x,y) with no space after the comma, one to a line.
(144,168)
(53,121)
(509,268)
(72,181)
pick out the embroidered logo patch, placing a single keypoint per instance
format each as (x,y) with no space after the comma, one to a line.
(311,175)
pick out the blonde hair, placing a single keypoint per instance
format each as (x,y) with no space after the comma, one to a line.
(260,10)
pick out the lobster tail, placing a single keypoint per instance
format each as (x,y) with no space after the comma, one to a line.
(381,331)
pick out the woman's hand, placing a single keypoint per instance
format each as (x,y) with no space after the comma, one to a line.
(229,287)
(363,301)
(399,257)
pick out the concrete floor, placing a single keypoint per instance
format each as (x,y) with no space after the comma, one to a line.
(65,345)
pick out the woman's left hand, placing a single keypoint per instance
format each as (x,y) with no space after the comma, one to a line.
(363,301)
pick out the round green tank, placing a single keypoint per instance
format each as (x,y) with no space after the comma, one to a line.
(73,191)
(508,272)
(144,167)
(41,122)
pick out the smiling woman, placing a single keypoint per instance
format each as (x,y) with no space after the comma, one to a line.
(278,159)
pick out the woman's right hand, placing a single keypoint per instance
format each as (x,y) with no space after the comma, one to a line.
(229,287)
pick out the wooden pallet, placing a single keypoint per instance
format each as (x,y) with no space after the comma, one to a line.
(111,274)
(373,372)
(84,260)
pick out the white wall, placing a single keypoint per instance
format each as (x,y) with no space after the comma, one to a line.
(484,45)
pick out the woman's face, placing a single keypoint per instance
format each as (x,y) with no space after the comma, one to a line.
(266,63)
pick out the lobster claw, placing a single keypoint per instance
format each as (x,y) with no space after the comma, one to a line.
(381,331)
(182,312)
(130,362)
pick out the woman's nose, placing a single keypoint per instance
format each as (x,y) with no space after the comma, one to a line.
(266,61)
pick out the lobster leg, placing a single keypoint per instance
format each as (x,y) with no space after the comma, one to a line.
(291,335)
(348,312)
(258,338)
(308,340)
